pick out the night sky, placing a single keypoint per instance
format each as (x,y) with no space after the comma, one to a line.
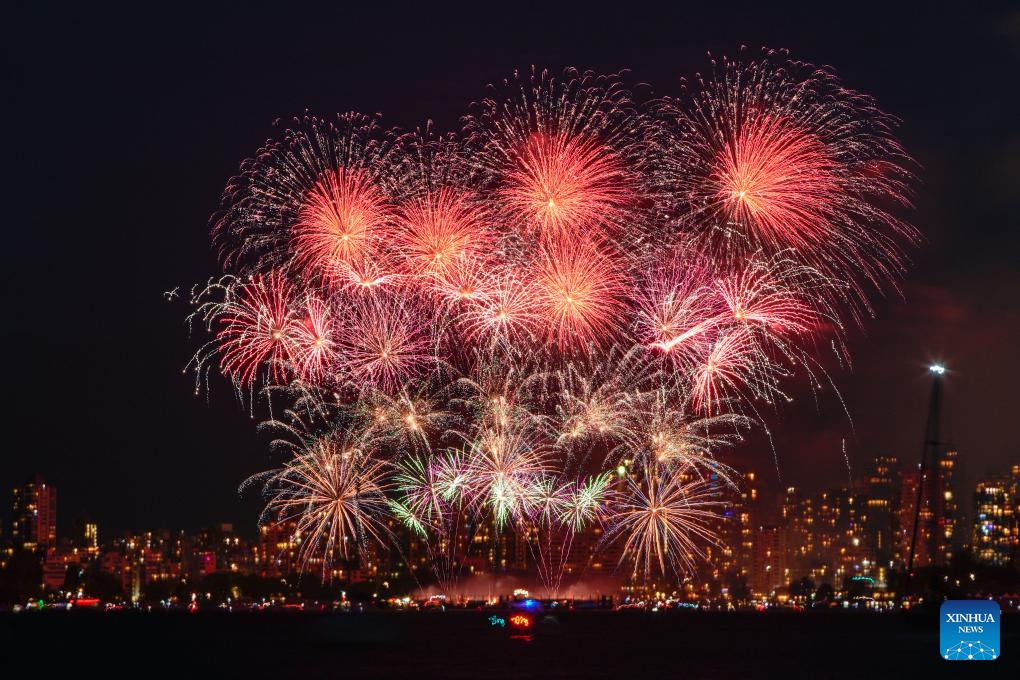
(123,125)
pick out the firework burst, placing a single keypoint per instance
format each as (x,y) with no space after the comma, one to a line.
(581,294)
(341,225)
(662,517)
(257,330)
(470,328)
(437,231)
(314,344)
(383,344)
(336,495)
(560,152)
(321,182)
(771,153)
(506,462)
(505,312)
(559,185)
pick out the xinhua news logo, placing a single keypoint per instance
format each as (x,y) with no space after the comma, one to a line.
(969,630)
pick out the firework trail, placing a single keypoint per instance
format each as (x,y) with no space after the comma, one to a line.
(549,543)
(559,512)
(431,497)
(473,327)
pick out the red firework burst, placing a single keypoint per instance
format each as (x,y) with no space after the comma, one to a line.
(776,180)
(341,224)
(314,345)
(436,230)
(258,330)
(382,343)
(765,294)
(727,370)
(777,155)
(581,293)
(560,184)
(506,312)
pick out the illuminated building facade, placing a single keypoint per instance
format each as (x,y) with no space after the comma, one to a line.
(35,515)
(769,570)
(946,510)
(277,550)
(938,517)
(843,537)
(881,488)
(747,518)
(995,535)
(909,482)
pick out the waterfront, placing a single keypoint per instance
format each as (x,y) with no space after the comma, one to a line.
(462,644)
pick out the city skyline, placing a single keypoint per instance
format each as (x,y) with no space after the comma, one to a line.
(826,537)
(772,508)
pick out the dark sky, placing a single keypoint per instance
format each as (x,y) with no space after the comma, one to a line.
(124,124)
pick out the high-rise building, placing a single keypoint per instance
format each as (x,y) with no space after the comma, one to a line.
(85,535)
(748,517)
(826,536)
(910,480)
(937,519)
(842,550)
(798,524)
(769,569)
(278,548)
(946,515)
(35,515)
(719,563)
(881,487)
(995,538)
